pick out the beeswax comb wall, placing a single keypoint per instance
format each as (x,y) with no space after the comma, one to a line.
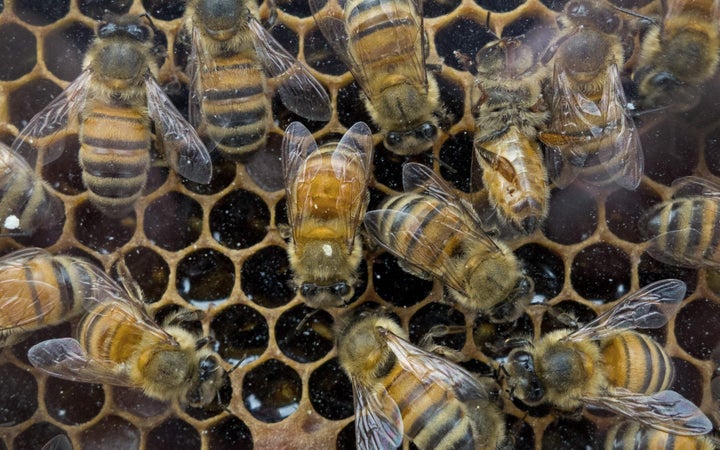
(218,247)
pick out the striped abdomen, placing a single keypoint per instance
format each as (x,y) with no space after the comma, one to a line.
(524,199)
(235,106)
(416,237)
(385,45)
(636,362)
(115,156)
(42,291)
(692,222)
(633,436)
(433,418)
(25,196)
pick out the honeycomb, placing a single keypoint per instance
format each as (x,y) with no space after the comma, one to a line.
(217,247)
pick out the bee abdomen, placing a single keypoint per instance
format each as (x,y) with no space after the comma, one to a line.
(632,436)
(636,362)
(109,333)
(28,199)
(235,106)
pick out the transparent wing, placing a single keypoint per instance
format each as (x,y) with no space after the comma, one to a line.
(649,307)
(297,143)
(53,118)
(430,368)
(59,442)
(197,61)
(298,88)
(354,150)
(696,186)
(425,249)
(623,157)
(184,151)
(378,423)
(665,410)
(418,177)
(65,358)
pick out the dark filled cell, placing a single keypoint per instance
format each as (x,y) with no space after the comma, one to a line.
(20,349)
(239,219)
(623,210)
(320,56)
(305,334)
(175,434)
(545,268)
(242,334)
(100,232)
(439,8)
(19,42)
(350,108)
(434,314)
(331,391)
(463,35)
(205,276)
(452,97)
(29,99)
(150,271)
(651,270)
(281,217)
(519,433)
(165,9)
(173,221)
(569,433)
(37,435)
(673,154)
(688,381)
(158,173)
(64,174)
(572,217)
(61,400)
(388,167)
(18,395)
(41,13)
(265,166)
(46,233)
(223,174)
(137,403)
(111,432)
(65,49)
(346,438)
(266,276)
(230,434)
(456,161)
(601,272)
(712,151)
(97,9)
(500,6)
(271,391)
(297,8)
(555,5)
(397,286)
(566,314)
(696,327)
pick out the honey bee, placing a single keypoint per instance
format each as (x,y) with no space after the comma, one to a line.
(119,344)
(631,435)
(590,132)
(678,53)
(231,53)
(437,235)
(26,202)
(326,199)
(683,231)
(112,104)
(606,365)
(508,116)
(59,442)
(401,389)
(383,44)
(38,289)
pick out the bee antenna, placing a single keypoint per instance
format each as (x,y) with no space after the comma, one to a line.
(630,12)
(235,367)
(147,17)
(305,319)
(203,341)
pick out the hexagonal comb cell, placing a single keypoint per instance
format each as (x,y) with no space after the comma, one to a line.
(65,48)
(265,277)
(205,276)
(239,220)
(173,221)
(41,13)
(271,391)
(242,334)
(20,41)
(61,400)
(330,391)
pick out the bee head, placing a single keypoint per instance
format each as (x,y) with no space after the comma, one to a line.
(412,141)
(210,378)
(335,294)
(524,382)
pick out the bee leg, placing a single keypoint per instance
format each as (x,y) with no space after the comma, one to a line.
(565,318)
(285,231)
(427,342)
(465,61)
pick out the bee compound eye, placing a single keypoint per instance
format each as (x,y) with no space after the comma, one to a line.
(207,367)
(664,80)
(428,130)
(393,138)
(341,289)
(308,290)
(523,360)
(107,29)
